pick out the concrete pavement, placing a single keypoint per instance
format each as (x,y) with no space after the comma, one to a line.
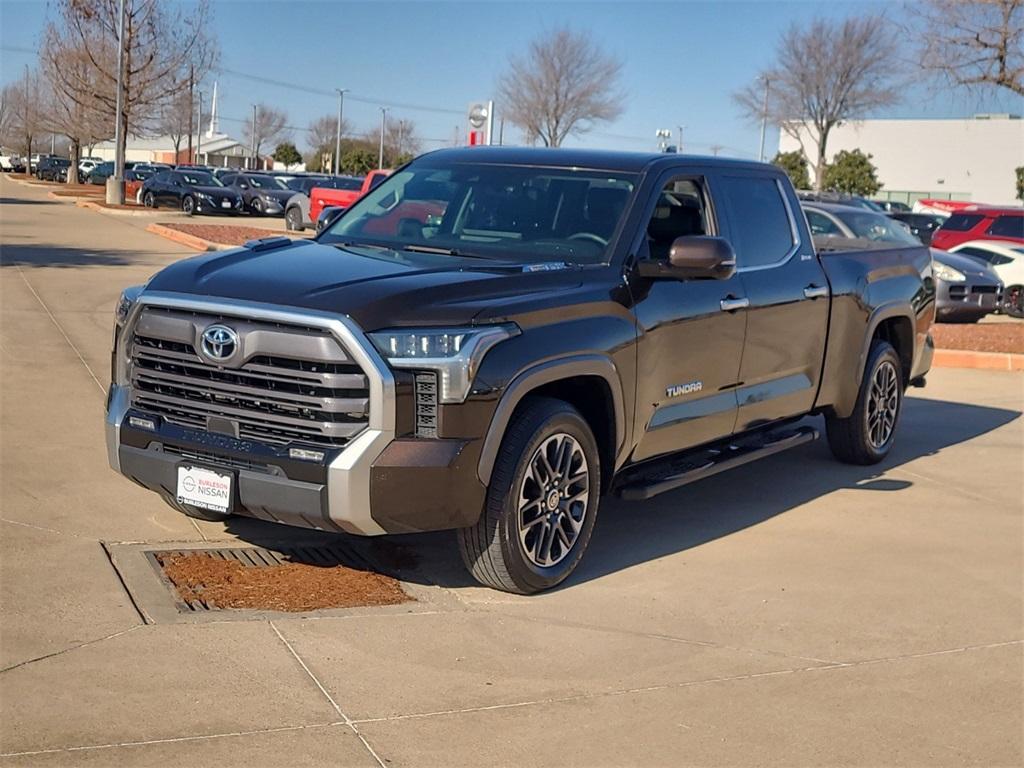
(795,611)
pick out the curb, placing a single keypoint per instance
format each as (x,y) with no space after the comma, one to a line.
(185,239)
(93,206)
(989,361)
(70,198)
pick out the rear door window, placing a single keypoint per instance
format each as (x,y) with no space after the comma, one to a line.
(1007,226)
(760,224)
(961,222)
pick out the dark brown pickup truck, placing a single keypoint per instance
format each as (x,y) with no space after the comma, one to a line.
(495,338)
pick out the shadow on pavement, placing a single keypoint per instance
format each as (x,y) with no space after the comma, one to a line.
(13,255)
(24,201)
(631,533)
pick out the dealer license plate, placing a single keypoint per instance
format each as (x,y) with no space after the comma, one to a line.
(225,203)
(204,488)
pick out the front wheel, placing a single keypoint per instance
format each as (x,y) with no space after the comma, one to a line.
(541,503)
(188,205)
(867,435)
(1013,301)
(257,206)
(293,220)
(148,200)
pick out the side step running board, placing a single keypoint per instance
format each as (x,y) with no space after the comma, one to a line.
(716,461)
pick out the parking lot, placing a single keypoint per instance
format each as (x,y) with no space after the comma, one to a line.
(794,611)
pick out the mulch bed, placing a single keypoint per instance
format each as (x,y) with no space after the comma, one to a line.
(983,337)
(128,206)
(293,587)
(226,234)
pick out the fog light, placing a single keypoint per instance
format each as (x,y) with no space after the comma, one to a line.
(303,454)
(141,423)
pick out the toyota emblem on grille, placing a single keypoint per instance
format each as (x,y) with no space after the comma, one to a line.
(219,342)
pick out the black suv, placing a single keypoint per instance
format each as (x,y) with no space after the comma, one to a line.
(53,169)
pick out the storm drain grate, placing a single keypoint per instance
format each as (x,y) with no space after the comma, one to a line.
(189,597)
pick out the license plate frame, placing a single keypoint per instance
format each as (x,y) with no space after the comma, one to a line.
(206,488)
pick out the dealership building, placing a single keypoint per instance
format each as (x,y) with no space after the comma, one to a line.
(963,159)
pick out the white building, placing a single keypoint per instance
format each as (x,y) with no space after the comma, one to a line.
(964,159)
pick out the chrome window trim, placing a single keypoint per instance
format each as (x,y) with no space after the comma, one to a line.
(348,476)
(794,234)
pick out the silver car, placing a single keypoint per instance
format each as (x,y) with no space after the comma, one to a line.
(965,289)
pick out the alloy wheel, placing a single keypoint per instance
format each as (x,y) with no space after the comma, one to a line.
(883,404)
(553,499)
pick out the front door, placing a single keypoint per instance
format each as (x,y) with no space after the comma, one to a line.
(691,332)
(787,320)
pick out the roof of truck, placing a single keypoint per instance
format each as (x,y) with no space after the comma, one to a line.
(583,158)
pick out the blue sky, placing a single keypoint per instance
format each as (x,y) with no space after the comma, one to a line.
(683,60)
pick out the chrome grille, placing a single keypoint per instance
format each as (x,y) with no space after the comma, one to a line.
(273,398)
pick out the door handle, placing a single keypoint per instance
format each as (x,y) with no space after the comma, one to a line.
(731,305)
(816,291)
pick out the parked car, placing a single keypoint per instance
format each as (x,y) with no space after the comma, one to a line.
(570,324)
(980,223)
(922,225)
(844,221)
(966,289)
(892,206)
(34,161)
(11,162)
(327,197)
(1007,260)
(85,167)
(261,194)
(190,191)
(105,170)
(53,169)
(837,198)
(296,212)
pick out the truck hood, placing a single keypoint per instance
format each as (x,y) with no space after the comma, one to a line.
(375,288)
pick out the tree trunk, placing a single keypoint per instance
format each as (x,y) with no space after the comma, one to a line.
(819,168)
(76,154)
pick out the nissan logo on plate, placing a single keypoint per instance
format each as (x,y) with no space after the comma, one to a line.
(219,342)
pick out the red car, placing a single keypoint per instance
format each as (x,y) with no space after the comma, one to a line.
(322,197)
(980,223)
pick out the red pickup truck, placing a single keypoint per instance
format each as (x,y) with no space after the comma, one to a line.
(322,197)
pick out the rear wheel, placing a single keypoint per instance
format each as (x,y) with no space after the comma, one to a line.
(541,503)
(188,205)
(1013,301)
(867,435)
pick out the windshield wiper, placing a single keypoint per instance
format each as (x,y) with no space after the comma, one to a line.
(441,251)
(350,244)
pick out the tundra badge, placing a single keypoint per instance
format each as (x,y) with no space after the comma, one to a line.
(684,389)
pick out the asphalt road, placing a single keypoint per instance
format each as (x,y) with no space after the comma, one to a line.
(793,612)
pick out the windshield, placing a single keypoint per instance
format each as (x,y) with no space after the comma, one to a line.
(200,178)
(266,182)
(877,226)
(509,212)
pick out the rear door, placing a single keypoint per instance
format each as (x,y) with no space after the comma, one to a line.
(788,294)
(691,331)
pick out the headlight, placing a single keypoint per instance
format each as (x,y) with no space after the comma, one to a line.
(455,353)
(947,273)
(268,198)
(124,305)
(118,356)
(203,195)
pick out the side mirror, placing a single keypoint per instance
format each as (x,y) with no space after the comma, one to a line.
(694,257)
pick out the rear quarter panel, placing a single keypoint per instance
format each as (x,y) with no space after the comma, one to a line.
(869,287)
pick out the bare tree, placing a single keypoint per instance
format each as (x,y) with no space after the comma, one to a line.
(972,43)
(825,74)
(7,99)
(270,127)
(162,41)
(561,88)
(27,119)
(323,132)
(177,117)
(400,139)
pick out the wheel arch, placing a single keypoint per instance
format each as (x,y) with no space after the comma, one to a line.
(590,383)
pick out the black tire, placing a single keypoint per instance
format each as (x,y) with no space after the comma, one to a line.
(1013,302)
(188,205)
(148,200)
(293,219)
(497,549)
(864,437)
(257,206)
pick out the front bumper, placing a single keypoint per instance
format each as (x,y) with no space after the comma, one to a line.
(965,301)
(378,483)
(207,206)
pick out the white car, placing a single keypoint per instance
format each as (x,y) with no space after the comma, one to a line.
(1007,259)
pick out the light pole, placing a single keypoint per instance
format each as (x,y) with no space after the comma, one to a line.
(764,119)
(337,138)
(383,120)
(115,183)
(679,145)
(252,143)
(199,133)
